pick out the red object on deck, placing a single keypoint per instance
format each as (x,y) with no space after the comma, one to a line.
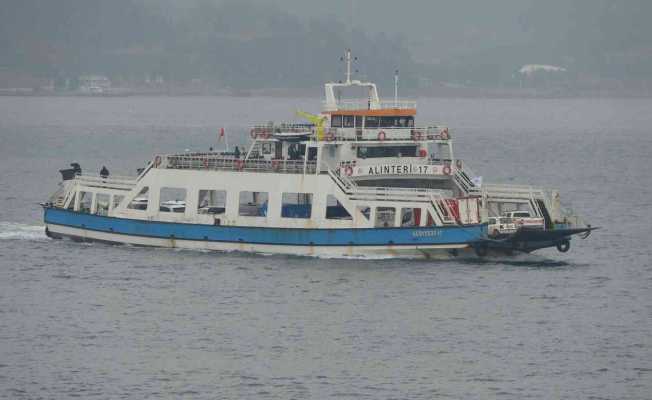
(454,207)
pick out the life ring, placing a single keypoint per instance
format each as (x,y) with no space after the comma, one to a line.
(348,170)
(563,246)
(157,161)
(381,136)
(423,153)
(239,165)
(444,134)
(458,164)
(276,165)
(447,169)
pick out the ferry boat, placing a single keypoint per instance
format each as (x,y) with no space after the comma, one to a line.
(359,179)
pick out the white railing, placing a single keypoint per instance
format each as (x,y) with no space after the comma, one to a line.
(392,133)
(116,182)
(350,105)
(209,161)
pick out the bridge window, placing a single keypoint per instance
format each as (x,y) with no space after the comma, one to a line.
(336,121)
(386,151)
(396,122)
(211,202)
(102,201)
(172,200)
(335,210)
(296,205)
(85,202)
(348,121)
(140,201)
(385,217)
(253,204)
(371,122)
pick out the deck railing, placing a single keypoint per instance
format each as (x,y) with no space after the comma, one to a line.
(349,105)
(116,182)
(354,134)
(212,161)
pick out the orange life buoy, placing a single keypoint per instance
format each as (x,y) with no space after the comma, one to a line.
(444,134)
(157,161)
(348,171)
(447,169)
(381,136)
(423,153)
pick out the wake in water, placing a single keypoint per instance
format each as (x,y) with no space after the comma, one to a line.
(15,231)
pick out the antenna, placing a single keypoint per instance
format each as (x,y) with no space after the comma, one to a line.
(396,88)
(348,66)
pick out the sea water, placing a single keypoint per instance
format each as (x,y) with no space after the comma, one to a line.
(99,321)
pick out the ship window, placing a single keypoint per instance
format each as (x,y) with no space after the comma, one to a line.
(336,121)
(358,121)
(85,202)
(365,211)
(385,217)
(386,151)
(102,201)
(335,210)
(296,205)
(172,200)
(71,206)
(348,121)
(396,122)
(410,217)
(117,199)
(371,122)
(140,201)
(211,202)
(253,204)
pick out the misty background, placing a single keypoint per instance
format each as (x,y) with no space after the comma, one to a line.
(178,46)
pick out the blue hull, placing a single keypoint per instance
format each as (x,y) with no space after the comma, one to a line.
(420,236)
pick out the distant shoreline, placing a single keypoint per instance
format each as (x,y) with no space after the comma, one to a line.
(439,92)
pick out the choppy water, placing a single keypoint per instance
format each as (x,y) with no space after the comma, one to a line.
(96,321)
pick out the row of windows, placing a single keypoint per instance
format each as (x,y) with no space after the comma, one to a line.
(350,121)
(387,151)
(251,204)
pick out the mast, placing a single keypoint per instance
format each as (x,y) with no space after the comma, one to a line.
(396,88)
(348,66)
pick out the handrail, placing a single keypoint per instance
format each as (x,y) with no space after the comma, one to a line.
(209,161)
(349,105)
(392,133)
